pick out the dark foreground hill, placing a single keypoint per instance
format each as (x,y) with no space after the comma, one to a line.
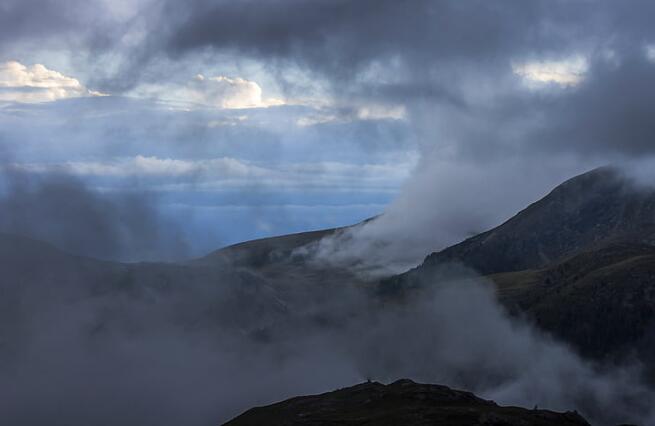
(401,403)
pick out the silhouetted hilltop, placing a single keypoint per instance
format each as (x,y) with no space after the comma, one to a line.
(401,403)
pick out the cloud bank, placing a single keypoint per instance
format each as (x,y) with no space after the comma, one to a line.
(225,341)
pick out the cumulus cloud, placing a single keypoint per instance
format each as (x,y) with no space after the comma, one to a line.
(36,83)
(231,93)
(211,92)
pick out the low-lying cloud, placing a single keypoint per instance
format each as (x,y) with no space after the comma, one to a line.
(441,204)
(200,351)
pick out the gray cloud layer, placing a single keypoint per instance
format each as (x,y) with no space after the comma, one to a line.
(449,54)
(457,56)
(159,350)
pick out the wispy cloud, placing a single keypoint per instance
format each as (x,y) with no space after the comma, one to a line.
(565,72)
(230,173)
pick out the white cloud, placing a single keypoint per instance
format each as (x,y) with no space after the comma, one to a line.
(650,52)
(231,93)
(332,113)
(36,83)
(566,72)
(149,166)
(211,92)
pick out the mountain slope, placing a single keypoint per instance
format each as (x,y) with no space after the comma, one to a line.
(400,403)
(42,278)
(596,206)
(601,301)
(265,251)
(579,263)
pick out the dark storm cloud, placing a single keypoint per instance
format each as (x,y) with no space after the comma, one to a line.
(605,118)
(18,19)
(339,39)
(611,111)
(441,51)
(420,44)
(338,36)
(391,51)
(60,23)
(345,35)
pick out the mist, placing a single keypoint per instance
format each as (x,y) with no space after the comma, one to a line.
(174,344)
(442,203)
(61,209)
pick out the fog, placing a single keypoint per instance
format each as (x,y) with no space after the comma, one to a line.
(63,210)
(87,342)
(441,204)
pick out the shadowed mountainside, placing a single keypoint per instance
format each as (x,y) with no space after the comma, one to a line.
(265,251)
(579,263)
(596,207)
(400,403)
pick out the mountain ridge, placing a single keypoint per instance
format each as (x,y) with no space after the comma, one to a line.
(583,210)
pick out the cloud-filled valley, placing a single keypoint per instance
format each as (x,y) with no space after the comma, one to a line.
(175,344)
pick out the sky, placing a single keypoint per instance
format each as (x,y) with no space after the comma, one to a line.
(243,119)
